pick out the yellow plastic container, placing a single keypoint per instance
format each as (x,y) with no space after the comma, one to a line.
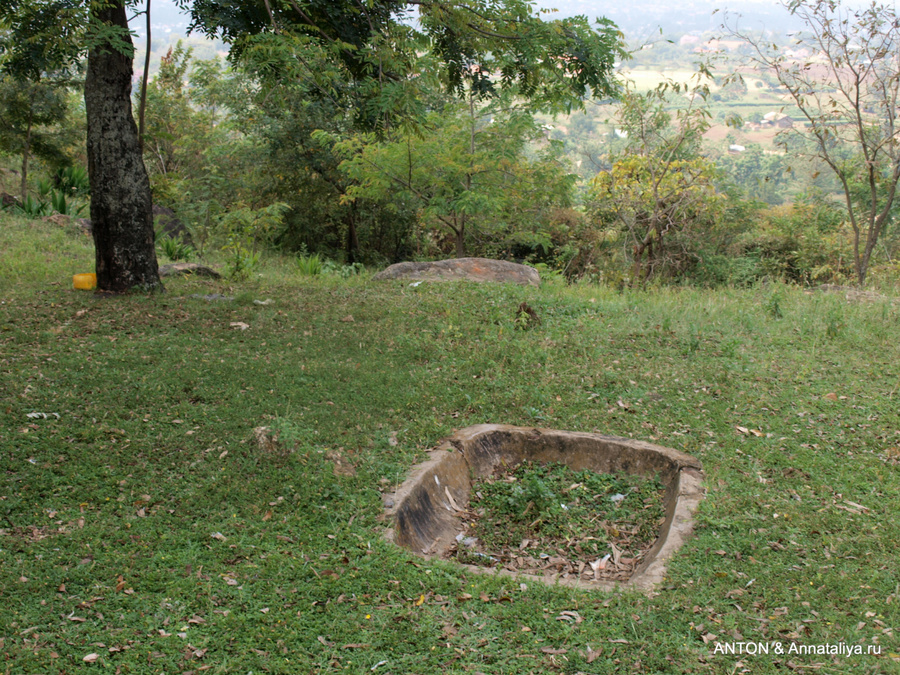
(85,282)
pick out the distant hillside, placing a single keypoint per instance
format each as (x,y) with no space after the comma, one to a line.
(641,20)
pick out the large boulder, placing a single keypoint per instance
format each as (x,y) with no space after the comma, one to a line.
(167,223)
(463,269)
(58,219)
(186,268)
(7,201)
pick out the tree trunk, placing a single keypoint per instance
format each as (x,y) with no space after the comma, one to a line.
(121,202)
(352,238)
(26,148)
(144,79)
(25,151)
(460,231)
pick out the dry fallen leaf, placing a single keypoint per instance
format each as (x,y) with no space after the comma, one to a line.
(551,650)
(453,503)
(831,396)
(240,324)
(90,658)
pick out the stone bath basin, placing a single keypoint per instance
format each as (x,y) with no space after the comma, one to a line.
(424,512)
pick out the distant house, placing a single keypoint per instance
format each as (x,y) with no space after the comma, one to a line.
(776,119)
(713,46)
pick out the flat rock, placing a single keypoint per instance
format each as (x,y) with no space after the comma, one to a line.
(58,219)
(211,297)
(463,269)
(172,269)
(854,294)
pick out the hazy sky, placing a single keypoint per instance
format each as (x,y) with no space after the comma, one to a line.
(638,19)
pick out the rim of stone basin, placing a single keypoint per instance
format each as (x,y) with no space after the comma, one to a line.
(423,511)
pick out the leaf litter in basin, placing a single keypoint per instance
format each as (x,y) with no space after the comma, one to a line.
(551,520)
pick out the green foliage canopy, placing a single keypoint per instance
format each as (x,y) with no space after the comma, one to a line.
(484,45)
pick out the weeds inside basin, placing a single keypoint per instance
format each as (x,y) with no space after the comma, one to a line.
(548,518)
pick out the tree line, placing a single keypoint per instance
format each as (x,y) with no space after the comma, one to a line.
(349,130)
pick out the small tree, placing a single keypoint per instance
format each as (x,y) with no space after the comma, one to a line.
(848,91)
(28,111)
(38,62)
(467,172)
(658,185)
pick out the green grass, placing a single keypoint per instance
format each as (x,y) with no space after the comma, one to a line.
(146,525)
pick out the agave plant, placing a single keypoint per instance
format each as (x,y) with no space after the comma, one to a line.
(60,204)
(175,249)
(33,207)
(309,265)
(73,180)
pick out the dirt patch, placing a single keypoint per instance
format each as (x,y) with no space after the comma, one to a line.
(33,533)
(548,518)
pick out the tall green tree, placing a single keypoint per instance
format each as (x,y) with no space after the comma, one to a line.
(39,59)
(485,45)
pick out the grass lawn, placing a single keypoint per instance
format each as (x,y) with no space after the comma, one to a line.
(143,529)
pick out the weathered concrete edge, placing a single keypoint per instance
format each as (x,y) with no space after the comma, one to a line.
(684,493)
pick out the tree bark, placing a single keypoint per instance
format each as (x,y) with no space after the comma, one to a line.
(25,150)
(144,79)
(121,201)
(460,232)
(352,237)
